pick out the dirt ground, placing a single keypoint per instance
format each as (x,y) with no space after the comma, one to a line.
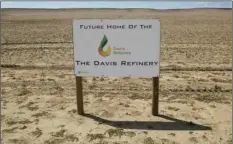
(38,83)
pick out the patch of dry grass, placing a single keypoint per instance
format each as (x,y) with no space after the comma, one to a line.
(40,114)
(18,141)
(59,133)
(62,139)
(98,136)
(30,106)
(148,140)
(173,108)
(211,97)
(15,122)
(37,132)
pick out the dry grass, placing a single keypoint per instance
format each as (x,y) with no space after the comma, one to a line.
(37,132)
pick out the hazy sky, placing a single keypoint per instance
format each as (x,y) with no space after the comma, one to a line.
(115,4)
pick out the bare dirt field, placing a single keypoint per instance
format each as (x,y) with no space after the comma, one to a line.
(38,83)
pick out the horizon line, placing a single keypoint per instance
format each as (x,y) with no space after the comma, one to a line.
(122,8)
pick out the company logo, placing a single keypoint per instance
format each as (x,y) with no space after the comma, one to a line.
(103,42)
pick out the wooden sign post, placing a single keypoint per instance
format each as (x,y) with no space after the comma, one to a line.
(79,95)
(155,96)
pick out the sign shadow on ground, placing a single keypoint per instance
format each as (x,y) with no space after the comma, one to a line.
(151,125)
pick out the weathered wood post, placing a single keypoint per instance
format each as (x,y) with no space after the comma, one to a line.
(155,97)
(79,95)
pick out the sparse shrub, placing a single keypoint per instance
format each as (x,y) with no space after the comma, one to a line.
(95,136)
(149,140)
(115,132)
(217,88)
(37,132)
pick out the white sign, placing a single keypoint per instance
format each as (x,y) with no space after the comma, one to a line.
(124,48)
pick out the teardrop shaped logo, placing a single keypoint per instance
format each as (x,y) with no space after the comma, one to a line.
(103,42)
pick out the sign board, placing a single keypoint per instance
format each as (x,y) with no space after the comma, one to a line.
(127,47)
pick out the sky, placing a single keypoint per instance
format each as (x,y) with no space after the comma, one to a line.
(115,4)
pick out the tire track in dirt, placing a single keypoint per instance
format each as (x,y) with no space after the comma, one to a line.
(115,90)
(69,44)
(57,67)
(36,43)
(58,54)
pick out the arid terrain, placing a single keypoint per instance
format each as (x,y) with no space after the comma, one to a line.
(39,94)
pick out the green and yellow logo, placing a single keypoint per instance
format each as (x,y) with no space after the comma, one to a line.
(103,42)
